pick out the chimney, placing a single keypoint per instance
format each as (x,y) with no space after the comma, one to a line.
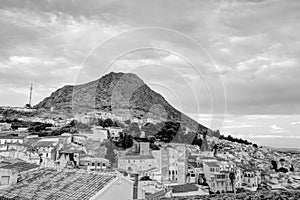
(144,148)
(135,186)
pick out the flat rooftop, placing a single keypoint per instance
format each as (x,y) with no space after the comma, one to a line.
(19,166)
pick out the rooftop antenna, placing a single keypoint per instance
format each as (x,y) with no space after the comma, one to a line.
(30,95)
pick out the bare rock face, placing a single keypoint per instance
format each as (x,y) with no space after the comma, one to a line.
(123,94)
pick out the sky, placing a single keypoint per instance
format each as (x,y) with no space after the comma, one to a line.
(231,65)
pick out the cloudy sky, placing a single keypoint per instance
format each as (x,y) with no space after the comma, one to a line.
(231,65)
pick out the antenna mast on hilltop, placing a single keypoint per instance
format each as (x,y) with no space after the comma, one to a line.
(30,95)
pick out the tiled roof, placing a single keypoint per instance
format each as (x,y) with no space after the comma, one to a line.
(58,185)
(72,148)
(212,164)
(158,194)
(137,157)
(11,137)
(193,164)
(92,159)
(45,143)
(189,187)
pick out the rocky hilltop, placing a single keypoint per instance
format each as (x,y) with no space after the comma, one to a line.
(123,94)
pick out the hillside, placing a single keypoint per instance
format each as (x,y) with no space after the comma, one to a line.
(123,94)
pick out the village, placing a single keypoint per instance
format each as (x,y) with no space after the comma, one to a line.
(87,164)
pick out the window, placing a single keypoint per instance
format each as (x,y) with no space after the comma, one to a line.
(93,164)
(5,180)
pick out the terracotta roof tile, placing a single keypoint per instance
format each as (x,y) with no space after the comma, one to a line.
(64,185)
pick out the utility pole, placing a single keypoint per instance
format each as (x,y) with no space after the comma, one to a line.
(30,95)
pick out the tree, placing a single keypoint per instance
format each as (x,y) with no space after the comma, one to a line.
(168,132)
(216,133)
(73,123)
(232,180)
(100,122)
(110,153)
(126,141)
(274,165)
(150,129)
(134,129)
(108,122)
(283,169)
(215,149)
(292,168)
(230,138)
(121,136)
(197,140)
(128,121)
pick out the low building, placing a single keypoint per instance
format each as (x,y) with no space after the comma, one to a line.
(186,190)
(114,133)
(11,139)
(238,177)
(138,162)
(195,171)
(69,155)
(93,164)
(5,126)
(22,129)
(11,172)
(250,179)
(98,133)
(217,180)
(47,152)
(70,184)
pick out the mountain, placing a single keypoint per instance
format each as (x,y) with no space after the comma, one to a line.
(122,94)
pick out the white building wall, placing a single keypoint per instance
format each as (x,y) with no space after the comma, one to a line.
(120,190)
